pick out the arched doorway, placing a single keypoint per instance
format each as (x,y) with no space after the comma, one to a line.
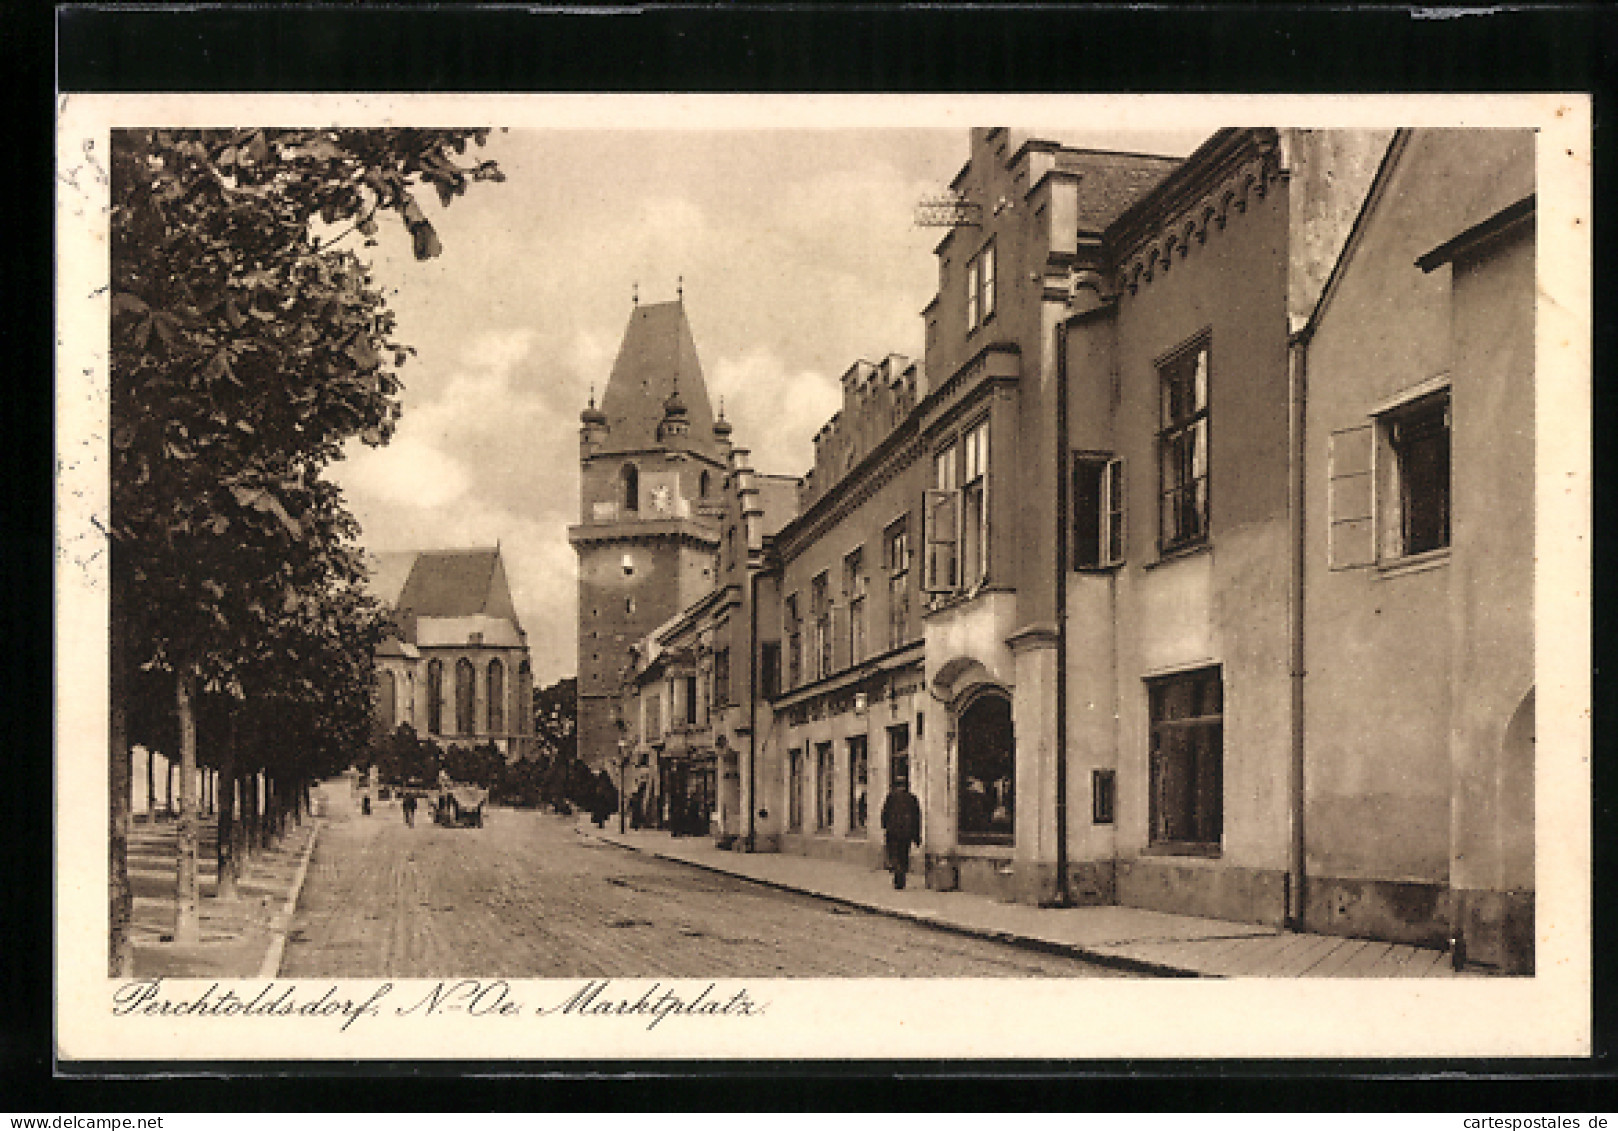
(986,780)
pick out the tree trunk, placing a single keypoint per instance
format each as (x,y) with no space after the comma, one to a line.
(168,785)
(151,783)
(120,901)
(225,799)
(187,929)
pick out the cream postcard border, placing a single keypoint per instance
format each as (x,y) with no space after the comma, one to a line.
(1548,1014)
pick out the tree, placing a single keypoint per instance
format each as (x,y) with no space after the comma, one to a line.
(246,348)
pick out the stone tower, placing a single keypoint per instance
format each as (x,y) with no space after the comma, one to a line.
(651,462)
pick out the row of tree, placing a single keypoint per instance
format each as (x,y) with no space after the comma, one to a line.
(249,343)
(555,777)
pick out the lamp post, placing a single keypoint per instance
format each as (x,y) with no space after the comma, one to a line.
(623,770)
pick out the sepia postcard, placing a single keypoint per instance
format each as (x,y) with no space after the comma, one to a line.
(757,577)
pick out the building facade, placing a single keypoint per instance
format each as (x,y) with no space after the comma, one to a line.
(456,670)
(1161,575)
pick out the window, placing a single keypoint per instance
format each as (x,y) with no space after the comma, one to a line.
(795,789)
(465,696)
(825,786)
(435,697)
(1416,487)
(943,526)
(525,698)
(859,777)
(1103,796)
(980,293)
(630,477)
(974,516)
(1098,512)
(897,538)
(1187,760)
(497,697)
(957,516)
(794,632)
(721,677)
(820,609)
(692,717)
(388,705)
(854,593)
(899,754)
(769,668)
(987,780)
(654,717)
(702,484)
(1182,446)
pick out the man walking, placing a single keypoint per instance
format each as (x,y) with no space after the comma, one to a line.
(410,809)
(901,822)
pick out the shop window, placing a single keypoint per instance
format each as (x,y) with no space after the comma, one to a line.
(854,590)
(1098,512)
(1187,760)
(1103,796)
(859,777)
(1416,514)
(897,539)
(825,786)
(795,789)
(988,763)
(465,696)
(1182,444)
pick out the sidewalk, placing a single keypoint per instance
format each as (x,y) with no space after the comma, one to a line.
(241,938)
(1125,937)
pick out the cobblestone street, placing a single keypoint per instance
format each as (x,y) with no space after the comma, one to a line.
(528,896)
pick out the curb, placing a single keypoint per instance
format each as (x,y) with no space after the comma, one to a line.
(282,923)
(1069,950)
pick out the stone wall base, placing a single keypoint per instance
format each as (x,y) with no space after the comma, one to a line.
(1239,895)
(843,850)
(1496,929)
(1397,911)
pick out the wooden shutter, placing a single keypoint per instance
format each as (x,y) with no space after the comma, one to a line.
(1351,533)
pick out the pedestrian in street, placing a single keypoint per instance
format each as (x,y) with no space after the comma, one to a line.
(410,809)
(901,824)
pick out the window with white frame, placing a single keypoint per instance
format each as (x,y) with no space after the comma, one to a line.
(974,497)
(942,519)
(1098,511)
(1187,759)
(825,786)
(795,788)
(859,777)
(1182,444)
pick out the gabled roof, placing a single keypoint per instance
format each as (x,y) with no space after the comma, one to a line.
(658,355)
(458,583)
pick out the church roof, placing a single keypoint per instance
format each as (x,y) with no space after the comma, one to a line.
(658,356)
(458,583)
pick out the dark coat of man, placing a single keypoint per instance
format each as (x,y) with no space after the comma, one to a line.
(901,816)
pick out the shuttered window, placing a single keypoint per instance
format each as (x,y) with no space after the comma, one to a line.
(1351,534)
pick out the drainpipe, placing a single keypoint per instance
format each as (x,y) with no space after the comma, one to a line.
(1063,897)
(1297,390)
(752,710)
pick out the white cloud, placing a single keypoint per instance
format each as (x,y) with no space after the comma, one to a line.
(410,472)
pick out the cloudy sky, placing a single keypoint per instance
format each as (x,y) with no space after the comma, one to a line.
(799,254)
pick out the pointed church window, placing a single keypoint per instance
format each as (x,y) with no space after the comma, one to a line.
(631,485)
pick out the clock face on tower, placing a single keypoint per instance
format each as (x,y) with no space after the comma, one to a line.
(661,500)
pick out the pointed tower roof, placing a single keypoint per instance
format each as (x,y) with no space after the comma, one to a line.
(657,356)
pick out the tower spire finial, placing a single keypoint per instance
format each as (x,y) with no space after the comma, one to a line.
(634,293)
(592,394)
(679,288)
